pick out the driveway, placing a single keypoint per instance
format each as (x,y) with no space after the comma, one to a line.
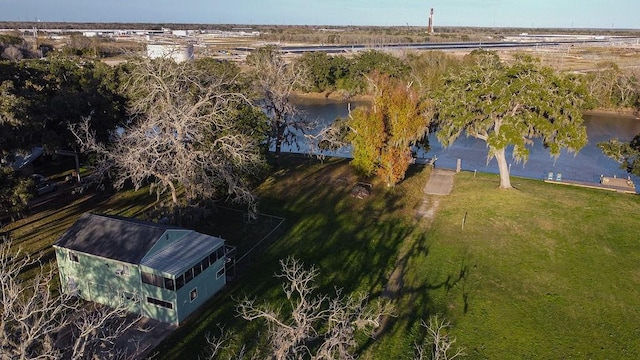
(440,182)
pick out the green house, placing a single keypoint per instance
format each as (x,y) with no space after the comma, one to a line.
(162,272)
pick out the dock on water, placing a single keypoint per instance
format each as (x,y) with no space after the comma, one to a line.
(606,183)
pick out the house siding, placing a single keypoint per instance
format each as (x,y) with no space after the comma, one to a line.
(94,278)
(155,311)
(206,284)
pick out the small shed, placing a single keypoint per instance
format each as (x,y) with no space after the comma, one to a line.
(161,272)
(23,162)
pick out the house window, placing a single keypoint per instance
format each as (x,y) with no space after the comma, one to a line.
(188,275)
(169,284)
(205,264)
(152,279)
(157,302)
(197,270)
(193,294)
(220,252)
(213,258)
(179,282)
(73,257)
(220,273)
(146,277)
(123,271)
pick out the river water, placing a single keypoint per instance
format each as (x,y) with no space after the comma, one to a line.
(587,165)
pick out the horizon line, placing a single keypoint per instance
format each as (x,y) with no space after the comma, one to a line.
(319,25)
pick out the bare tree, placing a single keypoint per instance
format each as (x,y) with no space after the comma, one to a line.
(12,53)
(438,343)
(31,314)
(330,138)
(275,81)
(38,323)
(186,132)
(315,326)
(628,87)
(96,330)
(346,316)
(220,346)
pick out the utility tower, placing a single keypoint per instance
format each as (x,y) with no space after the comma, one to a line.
(430,28)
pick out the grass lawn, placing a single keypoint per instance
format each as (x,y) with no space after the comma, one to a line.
(549,271)
(542,271)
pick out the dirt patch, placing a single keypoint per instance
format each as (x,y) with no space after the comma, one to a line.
(428,207)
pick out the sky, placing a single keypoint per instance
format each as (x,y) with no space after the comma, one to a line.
(605,14)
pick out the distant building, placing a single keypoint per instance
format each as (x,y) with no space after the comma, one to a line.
(161,272)
(178,52)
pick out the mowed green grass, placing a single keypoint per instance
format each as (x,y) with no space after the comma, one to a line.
(542,271)
(545,271)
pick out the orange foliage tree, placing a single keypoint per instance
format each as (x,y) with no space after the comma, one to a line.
(382,135)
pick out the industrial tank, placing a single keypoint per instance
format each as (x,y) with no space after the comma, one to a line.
(177,52)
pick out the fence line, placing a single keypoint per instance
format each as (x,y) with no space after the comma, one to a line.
(281,221)
(245,258)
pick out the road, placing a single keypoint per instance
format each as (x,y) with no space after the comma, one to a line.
(428,46)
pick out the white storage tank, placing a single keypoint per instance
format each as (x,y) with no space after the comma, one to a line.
(177,52)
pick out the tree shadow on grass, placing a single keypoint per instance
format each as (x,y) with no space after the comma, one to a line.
(414,302)
(37,232)
(356,244)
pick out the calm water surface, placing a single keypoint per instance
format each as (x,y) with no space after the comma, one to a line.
(586,165)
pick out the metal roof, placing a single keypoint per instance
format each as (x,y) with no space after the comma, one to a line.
(22,160)
(123,239)
(183,253)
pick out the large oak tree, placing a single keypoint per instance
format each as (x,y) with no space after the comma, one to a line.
(15,193)
(38,99)
(191,128)
(509,105)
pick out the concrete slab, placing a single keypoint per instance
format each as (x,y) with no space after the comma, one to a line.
(139,341)
(440,182)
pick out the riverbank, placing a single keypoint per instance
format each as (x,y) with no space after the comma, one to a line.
(621,113)
(332,95)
